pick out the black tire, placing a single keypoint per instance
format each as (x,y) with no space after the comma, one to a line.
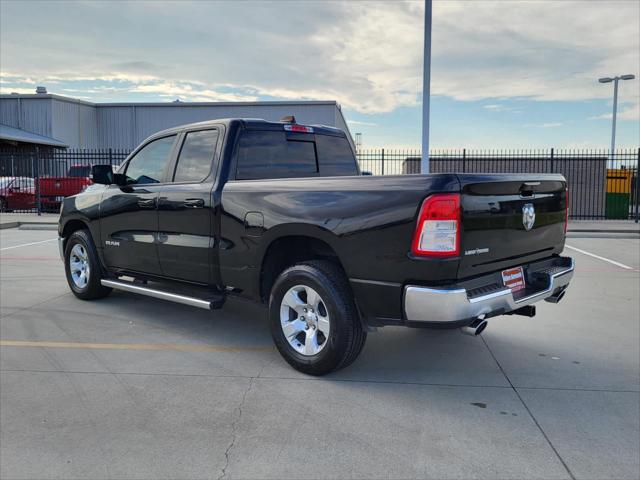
(346,334)
(3,205)
(93,288)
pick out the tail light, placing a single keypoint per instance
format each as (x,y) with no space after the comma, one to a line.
(566,210)
(438,230)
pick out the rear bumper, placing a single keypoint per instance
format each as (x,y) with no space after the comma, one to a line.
(483,297)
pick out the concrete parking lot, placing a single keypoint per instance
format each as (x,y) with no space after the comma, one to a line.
(131,387)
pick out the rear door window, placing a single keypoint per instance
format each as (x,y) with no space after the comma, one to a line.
(271,154)
(196,156)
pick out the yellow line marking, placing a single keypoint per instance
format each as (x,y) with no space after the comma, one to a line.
(179,347)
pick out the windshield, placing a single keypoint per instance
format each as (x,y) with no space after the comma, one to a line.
(5,181)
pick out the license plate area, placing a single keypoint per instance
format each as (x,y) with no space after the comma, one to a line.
(513,278)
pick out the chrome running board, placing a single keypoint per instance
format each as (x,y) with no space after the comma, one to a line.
(216,301)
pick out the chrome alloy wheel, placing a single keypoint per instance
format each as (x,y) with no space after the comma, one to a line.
(79,265)
(304,320)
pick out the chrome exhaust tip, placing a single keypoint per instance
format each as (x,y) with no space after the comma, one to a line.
(556,298)
(475,328)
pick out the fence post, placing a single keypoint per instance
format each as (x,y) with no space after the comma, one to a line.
(638,186)
(382,162)
(36,171)
(110,156)
(464,160)
(551,158)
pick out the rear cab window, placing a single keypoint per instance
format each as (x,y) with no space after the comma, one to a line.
(335,156)
(270,154)
(265,154)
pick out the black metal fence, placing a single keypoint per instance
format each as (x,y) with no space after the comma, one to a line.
(601,185)
(37,181)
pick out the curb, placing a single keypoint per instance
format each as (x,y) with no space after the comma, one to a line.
(614,235)
(595,230)
(38,226)
(30,225)
(9,225)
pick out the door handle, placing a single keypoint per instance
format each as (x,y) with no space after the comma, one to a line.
(147,203)
(194,203)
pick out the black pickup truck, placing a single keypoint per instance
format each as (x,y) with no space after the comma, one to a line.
(279,213)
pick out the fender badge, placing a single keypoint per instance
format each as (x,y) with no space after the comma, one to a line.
(476,251)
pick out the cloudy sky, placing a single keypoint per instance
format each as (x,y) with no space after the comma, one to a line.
(505,74)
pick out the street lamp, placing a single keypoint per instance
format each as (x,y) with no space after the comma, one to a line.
(615,103)
(426,85)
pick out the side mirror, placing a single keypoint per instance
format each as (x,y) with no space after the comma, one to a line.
(120,179)
(366,173)
(102,174)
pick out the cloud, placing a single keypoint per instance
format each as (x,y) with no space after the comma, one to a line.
(365,55)
(583,145)
(624,113)
(364,124)
(184,90)
(544,125)
(500,107)
(139,66)
(21,90)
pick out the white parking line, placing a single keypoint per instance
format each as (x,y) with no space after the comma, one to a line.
(613,262)
(28,244)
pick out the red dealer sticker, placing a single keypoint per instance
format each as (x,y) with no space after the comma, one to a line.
(513,278)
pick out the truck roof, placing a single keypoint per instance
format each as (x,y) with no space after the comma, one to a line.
(250,124)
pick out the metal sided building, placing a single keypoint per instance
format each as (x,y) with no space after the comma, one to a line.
(53,121)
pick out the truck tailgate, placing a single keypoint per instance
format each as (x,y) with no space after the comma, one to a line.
(510,220)
(62,186)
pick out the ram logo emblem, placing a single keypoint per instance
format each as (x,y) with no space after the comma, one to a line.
(528,216)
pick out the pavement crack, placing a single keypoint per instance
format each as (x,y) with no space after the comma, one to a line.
(35,305)
(234,428)
(526,407)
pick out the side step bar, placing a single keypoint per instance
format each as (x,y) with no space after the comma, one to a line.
(212,303)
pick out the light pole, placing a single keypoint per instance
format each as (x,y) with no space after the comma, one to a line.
(615,103)
(426,86)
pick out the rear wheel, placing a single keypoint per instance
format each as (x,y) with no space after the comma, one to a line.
(314,321)
(3,205)
(82,267)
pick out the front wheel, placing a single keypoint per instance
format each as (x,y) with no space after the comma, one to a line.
(82,267)
(314,321)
